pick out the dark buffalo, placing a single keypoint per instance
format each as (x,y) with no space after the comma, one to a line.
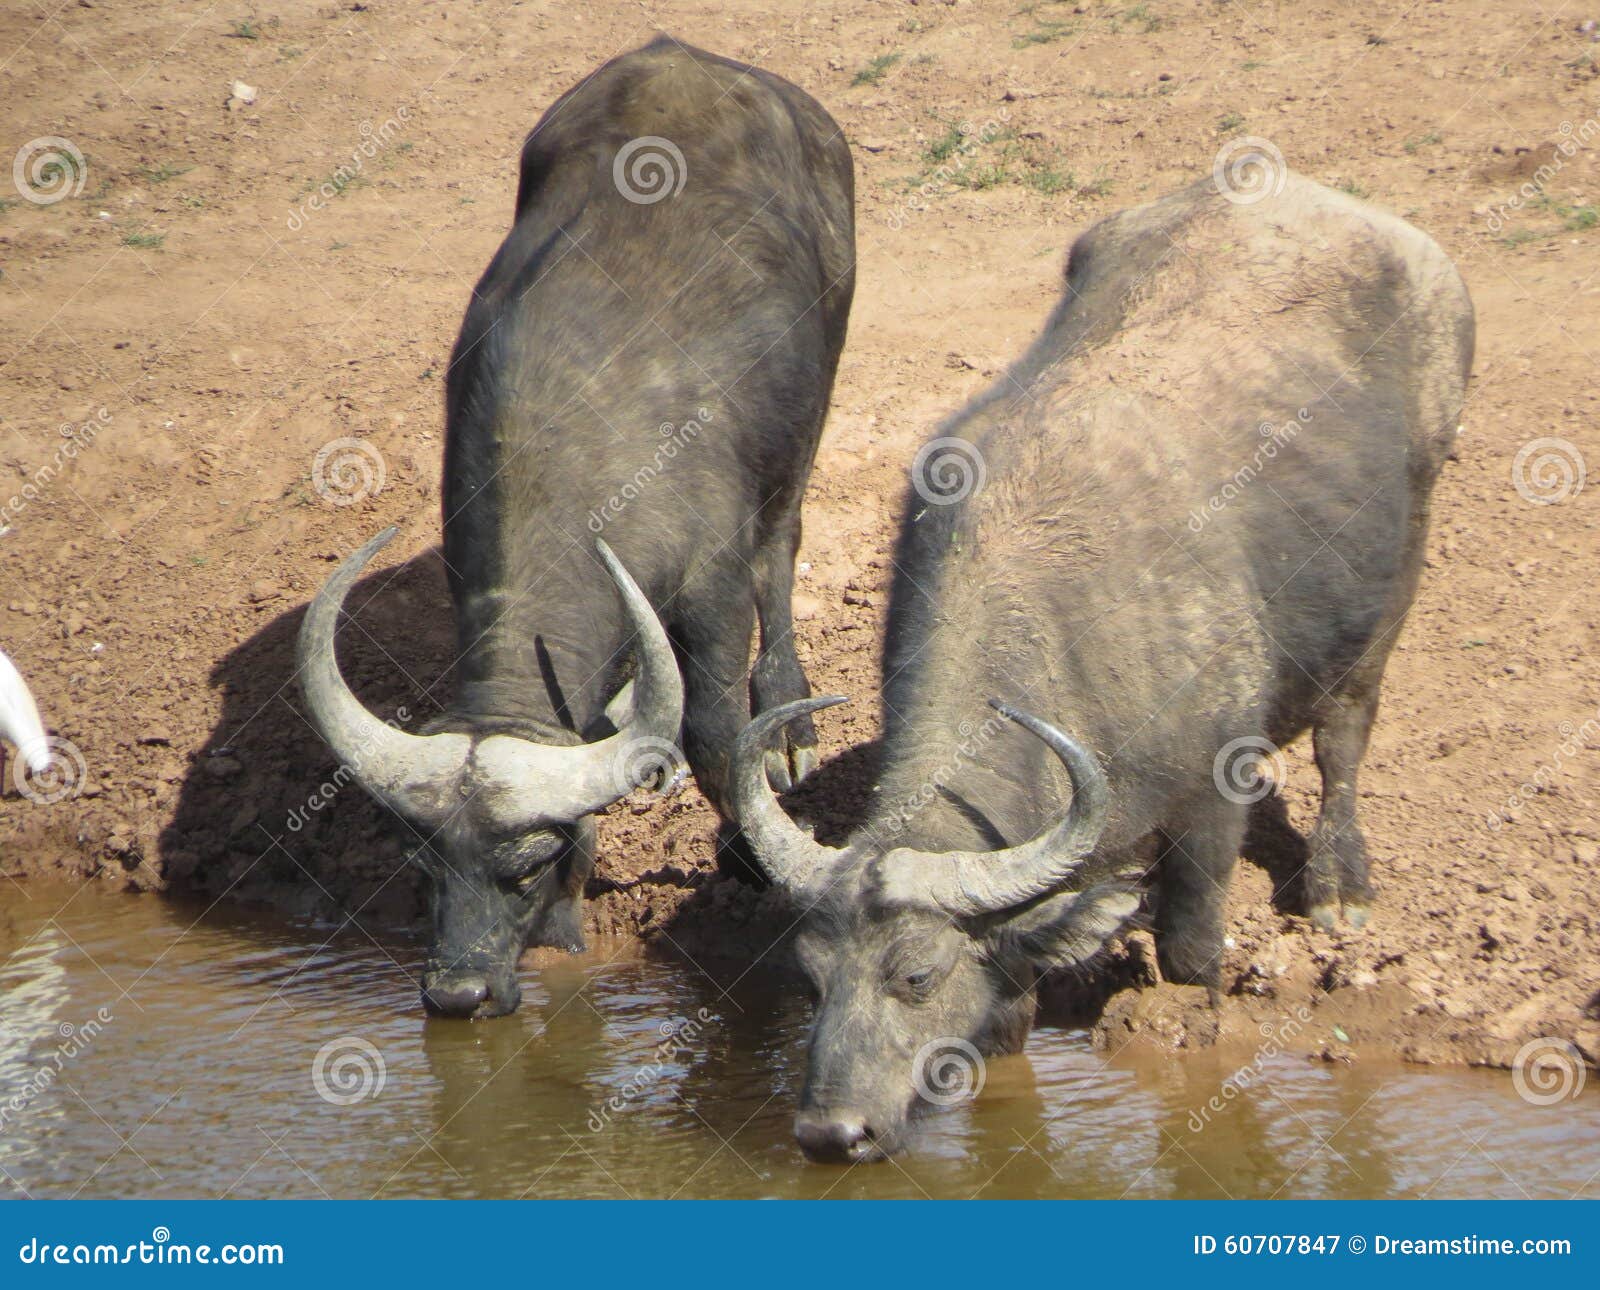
(1187,527)
(649,356)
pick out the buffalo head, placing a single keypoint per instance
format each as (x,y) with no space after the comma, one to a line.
(502,819)
(922,962)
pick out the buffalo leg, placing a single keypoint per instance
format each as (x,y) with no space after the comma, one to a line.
(713,630)
(778,677)
(715,644)
(1336,874)
(1196,866)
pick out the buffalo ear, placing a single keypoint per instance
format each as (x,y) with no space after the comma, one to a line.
(1069,927)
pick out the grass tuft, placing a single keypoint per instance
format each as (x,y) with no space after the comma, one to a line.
(160,174)
(873,72)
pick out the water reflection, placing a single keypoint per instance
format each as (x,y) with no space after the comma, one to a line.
(252,1057)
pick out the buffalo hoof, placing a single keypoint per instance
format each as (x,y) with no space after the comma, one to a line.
(802,761)
(788,767)
(1325,917)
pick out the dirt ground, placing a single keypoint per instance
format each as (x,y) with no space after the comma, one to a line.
(240,275)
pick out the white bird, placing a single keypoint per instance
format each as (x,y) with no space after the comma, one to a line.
(19,719)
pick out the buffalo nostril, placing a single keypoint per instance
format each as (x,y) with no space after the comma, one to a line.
(837,1139)
(455,996)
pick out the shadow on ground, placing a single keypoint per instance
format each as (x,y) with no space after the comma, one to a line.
(251,821)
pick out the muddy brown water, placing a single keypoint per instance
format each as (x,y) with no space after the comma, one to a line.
(152,1049)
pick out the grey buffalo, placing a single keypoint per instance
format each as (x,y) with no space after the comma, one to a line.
(633,407)
(1184,529)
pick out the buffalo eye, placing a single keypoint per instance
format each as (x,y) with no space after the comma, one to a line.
(520,865)
(918,986)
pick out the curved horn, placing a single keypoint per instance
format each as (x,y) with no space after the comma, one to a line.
(658,687)
(407,772)
(523,781)
(965,883)
(792,858)
(19,719)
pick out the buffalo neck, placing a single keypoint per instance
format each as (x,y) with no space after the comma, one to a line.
(545,652)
